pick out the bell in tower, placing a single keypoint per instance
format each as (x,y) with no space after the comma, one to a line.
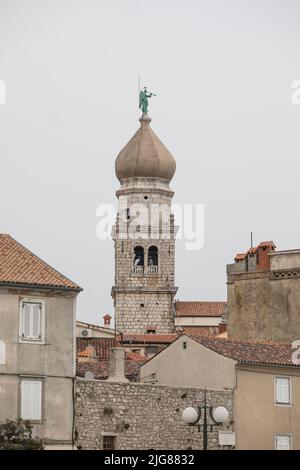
(144,235)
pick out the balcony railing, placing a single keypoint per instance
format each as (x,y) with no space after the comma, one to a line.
(152,269)
(149,270)
(138,269)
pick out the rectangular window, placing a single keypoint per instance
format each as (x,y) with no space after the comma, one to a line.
(31,320)
(283,390)
(108,442)
(283,442)
(31,399)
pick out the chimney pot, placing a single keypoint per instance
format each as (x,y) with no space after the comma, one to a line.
(106,319)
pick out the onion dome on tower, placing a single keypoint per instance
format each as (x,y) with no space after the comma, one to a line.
(145,156)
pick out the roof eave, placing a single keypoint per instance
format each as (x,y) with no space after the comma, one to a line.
(21,285)
(266,364)
(198,315)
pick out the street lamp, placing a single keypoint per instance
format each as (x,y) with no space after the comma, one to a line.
(192,417)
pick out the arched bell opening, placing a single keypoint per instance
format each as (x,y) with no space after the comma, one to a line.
(152,265)
(138,260)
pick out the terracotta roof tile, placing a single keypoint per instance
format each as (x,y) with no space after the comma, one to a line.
(267,244)
(252,250)
(131,356)
(200,330)
(249,352)
(19,266)
(199,309)
(150,338)
(85,353)
(102,346)
(240,256)
(100,368)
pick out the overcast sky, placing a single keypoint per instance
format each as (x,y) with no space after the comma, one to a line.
(222,71)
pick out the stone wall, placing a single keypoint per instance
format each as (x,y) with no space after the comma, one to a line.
(263,307)
(135,311)
(263,304)
(142,416)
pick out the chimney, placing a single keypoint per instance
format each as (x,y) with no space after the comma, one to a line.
(222,328)
(106,320)
(117,365)
(88,355)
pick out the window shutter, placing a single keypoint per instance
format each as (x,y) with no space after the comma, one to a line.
(31,320)
(26,320)
(25,400)
(283,443)
(31,399)
(282,390)
(36,315)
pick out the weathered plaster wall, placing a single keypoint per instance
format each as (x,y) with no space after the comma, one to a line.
(57,421)
(260,307)
(141,416)
(265,304)
(197,321)
(54,360)
(170,366)
(254,403)
(56,356)
(2,352)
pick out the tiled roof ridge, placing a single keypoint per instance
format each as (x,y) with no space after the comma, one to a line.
(56,274)
(252,342)
(149,338)
(251,352)
(200,308)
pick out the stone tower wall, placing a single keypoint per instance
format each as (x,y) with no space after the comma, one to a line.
(136,312)
(144,296)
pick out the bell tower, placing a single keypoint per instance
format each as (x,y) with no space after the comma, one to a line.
(144,236)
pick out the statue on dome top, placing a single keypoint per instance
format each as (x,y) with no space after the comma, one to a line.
(143,102)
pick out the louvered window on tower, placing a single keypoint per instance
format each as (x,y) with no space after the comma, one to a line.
(31,321)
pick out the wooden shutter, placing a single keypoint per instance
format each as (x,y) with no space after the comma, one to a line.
(31,326)
(283,390)
(36,320)
(26,320)
(31,400)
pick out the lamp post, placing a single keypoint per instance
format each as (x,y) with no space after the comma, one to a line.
(192,417)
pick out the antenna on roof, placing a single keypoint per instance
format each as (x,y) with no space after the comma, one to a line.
(139,86)
(251,239)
